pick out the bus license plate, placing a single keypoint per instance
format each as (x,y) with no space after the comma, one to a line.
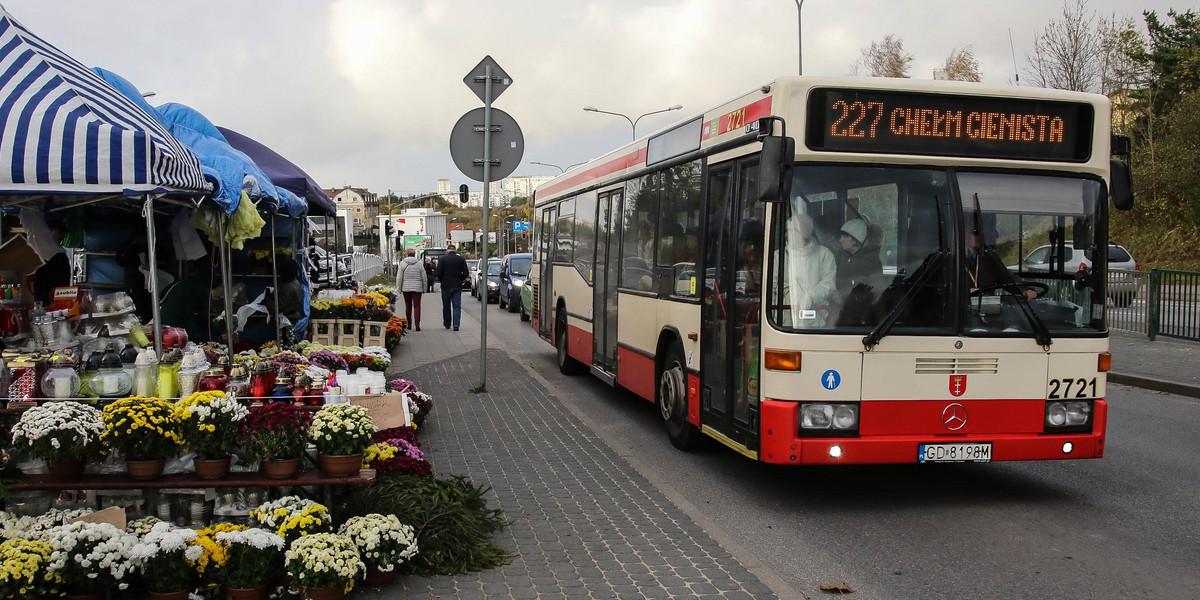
(954,453)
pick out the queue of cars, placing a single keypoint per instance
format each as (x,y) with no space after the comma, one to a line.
(502,281)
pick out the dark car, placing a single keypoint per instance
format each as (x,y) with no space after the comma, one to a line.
(513,273)
(493,281)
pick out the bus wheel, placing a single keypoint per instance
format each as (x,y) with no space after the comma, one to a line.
(567,365)
(673,399)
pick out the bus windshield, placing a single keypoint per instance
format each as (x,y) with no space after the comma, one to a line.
(879,249)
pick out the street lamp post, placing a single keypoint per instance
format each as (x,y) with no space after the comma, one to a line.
(560,169)
(632,122)
(800,35)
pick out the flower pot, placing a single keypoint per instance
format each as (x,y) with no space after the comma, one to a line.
(65,470)
(322,593)
(281,469)
(143,470)
(169,595)
(377,578)
(88,596)
(341,465)
(258,593)
(211,469)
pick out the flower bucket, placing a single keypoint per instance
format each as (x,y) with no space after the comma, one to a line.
(145,470)
(211,469)
(170,595)
(258,593)
(281,469)
(65,470)
(322,593)
(377,578)
(341,465)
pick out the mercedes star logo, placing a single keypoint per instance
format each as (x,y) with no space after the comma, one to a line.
(954,417)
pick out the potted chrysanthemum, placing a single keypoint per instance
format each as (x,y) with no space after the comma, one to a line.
(323,565)
(341,433)
(383,544)
(64,434)
(253,558)
(24,569)
(292,517)
(145,431)
(274,434)
(209,422)
(164,557)
(90,558)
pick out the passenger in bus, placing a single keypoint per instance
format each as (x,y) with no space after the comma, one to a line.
(809,281)
(859,275)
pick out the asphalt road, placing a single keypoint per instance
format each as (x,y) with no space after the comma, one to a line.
(1125,526)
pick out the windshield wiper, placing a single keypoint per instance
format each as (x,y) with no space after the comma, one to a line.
(932,264)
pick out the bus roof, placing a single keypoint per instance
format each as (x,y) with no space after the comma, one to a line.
(788,97)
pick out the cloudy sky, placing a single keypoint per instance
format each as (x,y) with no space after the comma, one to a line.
(365,92)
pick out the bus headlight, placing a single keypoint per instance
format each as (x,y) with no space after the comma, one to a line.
(1068,415)
(833,418)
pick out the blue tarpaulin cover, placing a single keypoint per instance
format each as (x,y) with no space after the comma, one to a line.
(282,172)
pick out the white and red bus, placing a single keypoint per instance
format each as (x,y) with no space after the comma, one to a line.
(827,271)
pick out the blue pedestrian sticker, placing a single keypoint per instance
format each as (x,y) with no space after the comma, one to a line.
(831,379)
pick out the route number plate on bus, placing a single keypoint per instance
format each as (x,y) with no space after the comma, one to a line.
(954,453)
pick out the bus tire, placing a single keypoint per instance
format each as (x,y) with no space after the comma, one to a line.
(673,401)
(567,365)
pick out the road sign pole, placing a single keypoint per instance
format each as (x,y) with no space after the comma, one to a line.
(487,178)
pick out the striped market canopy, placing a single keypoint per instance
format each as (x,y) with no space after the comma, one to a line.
(64,130)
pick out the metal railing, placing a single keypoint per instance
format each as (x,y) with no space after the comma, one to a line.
(364,266)
(1154,303)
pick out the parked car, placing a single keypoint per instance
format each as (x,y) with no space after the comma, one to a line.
(492,285)
(473,267)
(1122,283)
(526,301)
(513,272)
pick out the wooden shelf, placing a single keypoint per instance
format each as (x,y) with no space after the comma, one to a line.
(122,481)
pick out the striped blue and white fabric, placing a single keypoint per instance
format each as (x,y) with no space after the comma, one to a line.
(64,130)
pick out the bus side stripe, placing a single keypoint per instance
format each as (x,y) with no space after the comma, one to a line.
(620,163)
(635,372)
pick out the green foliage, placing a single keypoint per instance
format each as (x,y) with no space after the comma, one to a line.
(453,523)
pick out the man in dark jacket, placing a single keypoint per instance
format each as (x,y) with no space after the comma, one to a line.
(451,272)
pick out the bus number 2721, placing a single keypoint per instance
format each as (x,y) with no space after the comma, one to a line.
(1072,387)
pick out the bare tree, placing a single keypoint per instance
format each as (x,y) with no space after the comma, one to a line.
(885,58)
(962,65)
(1069,54)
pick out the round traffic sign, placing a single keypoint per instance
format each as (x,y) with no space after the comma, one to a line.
(466,144)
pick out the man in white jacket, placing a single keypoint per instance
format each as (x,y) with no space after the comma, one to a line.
(412,281)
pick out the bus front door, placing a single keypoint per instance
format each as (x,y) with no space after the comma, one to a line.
(729,343)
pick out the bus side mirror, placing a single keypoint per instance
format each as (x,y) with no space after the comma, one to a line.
(775,168)
(1120,184)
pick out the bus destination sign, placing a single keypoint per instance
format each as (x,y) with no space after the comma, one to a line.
(886,122)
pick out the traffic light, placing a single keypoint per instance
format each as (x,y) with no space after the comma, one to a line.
(400,240)
(462,193)
(387,228)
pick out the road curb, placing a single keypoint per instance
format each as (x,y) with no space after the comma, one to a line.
(1151,383)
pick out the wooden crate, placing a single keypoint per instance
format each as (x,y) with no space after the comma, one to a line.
(324,331)
(348,332)
(374,333)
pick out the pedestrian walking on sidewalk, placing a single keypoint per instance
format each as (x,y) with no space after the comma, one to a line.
(452,272)
(412,281)
(429,265)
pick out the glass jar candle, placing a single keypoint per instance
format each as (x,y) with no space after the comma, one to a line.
(145,373)
(168,375)
(214,380)
(60,380)
(111,380)
(262,382)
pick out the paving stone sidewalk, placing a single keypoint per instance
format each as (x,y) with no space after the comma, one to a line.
(586,523)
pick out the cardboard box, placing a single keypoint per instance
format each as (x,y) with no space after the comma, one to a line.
(388,410)
(17,255)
